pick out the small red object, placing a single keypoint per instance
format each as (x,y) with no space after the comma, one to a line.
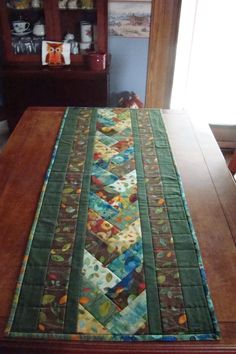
(130,101)
(97,61)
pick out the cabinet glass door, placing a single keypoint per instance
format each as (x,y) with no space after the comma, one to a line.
(26,20)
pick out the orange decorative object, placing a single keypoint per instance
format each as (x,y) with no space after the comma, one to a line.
(54,54)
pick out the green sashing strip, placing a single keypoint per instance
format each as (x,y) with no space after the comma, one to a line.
(159,126)
(18,311)
(153,303)
(75,282)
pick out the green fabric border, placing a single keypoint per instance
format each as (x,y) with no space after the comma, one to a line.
(154,315)
(23,314)
(159,129)
(32,232)
(76,279)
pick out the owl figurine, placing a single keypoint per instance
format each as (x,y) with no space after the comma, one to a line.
(54,55)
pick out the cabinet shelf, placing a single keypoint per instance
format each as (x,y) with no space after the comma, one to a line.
(58,22)
(13,9)
(77,10)
(70,85)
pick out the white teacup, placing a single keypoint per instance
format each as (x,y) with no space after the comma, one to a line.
(20,26)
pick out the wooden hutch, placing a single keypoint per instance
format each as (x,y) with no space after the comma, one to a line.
(25,82)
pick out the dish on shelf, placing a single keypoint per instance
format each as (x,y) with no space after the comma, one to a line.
(21,34)
(11,7)
(22,5)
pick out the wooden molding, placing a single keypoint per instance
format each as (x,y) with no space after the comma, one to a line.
(162,50)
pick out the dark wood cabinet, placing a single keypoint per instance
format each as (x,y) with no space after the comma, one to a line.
(26,82)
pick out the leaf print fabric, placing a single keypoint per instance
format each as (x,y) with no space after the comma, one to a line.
(112,254)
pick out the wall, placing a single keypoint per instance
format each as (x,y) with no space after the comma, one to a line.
(128,66)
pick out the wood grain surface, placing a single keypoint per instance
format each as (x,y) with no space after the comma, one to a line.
(162,50)
(211,195)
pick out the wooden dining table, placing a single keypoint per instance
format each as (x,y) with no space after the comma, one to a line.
(211,196)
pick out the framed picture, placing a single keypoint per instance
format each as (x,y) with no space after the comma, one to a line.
(129,18)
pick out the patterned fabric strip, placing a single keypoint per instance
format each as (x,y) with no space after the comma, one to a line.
(149,265)
(112,254)
(74,289)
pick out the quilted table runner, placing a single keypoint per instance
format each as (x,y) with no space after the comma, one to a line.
(112,253)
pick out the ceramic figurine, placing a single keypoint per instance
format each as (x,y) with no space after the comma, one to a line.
(74,46)
(87,4)
(72,4)
(20,4)
(69,37)
(62,4)
(36,4)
